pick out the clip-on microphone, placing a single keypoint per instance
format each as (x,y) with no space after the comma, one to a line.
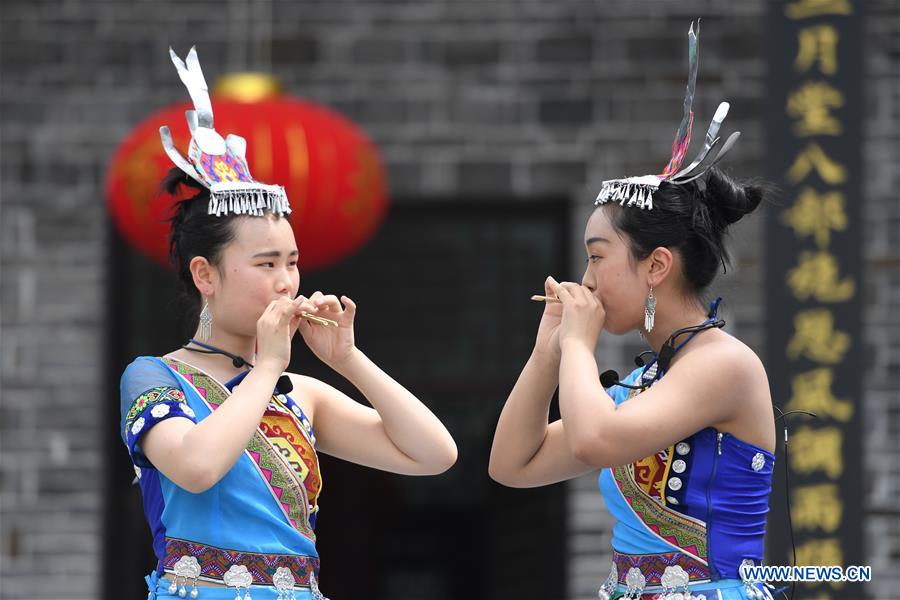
(639,359)
(284,385)
(611,378)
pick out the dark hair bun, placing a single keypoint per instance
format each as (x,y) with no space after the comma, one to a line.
(175,178)
(692,218)
(727,199)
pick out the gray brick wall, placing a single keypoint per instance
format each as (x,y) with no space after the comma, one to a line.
(462,97)
(881,323)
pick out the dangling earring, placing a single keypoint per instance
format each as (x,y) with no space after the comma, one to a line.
(205,321)
(649,311)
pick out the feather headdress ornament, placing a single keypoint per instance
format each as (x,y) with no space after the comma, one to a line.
(638,191)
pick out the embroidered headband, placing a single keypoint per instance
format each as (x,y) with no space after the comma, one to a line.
(638,190)
(216,163)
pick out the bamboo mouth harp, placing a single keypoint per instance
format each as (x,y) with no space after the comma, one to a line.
(547,299)
(318,320)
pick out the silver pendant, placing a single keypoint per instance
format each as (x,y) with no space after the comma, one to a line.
(284,582)
(758,462)
(609,586)
(187,568)
(635,581)
(675,582)
(314,588)
(238,577)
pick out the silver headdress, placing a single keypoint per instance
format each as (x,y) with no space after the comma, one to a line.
(638,191)
(216,163)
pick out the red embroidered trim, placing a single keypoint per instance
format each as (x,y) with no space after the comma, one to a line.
(652,566)
(214,562)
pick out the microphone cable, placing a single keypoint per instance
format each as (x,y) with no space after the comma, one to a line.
(283,386)
(787,485)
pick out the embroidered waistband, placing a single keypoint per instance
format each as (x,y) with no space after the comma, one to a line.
(215,564)
(653,566)
(670,572)
(667,576)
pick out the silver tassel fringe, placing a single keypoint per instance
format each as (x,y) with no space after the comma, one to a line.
(248,199)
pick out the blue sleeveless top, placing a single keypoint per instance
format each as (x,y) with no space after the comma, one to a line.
(705,496)
(260,516)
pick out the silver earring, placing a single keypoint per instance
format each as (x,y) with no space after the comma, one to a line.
(205,321)
(649,311)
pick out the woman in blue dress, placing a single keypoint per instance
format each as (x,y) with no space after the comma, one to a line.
(223,441)
(685,442)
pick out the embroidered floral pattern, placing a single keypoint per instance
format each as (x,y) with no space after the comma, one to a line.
(148,409)
(160,410)
(152,397)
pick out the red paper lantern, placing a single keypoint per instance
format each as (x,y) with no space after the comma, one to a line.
(331,172)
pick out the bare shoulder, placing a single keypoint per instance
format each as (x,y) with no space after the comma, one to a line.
(729,359)
(743,386)
(308,391)
(750,379)
(721,374)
